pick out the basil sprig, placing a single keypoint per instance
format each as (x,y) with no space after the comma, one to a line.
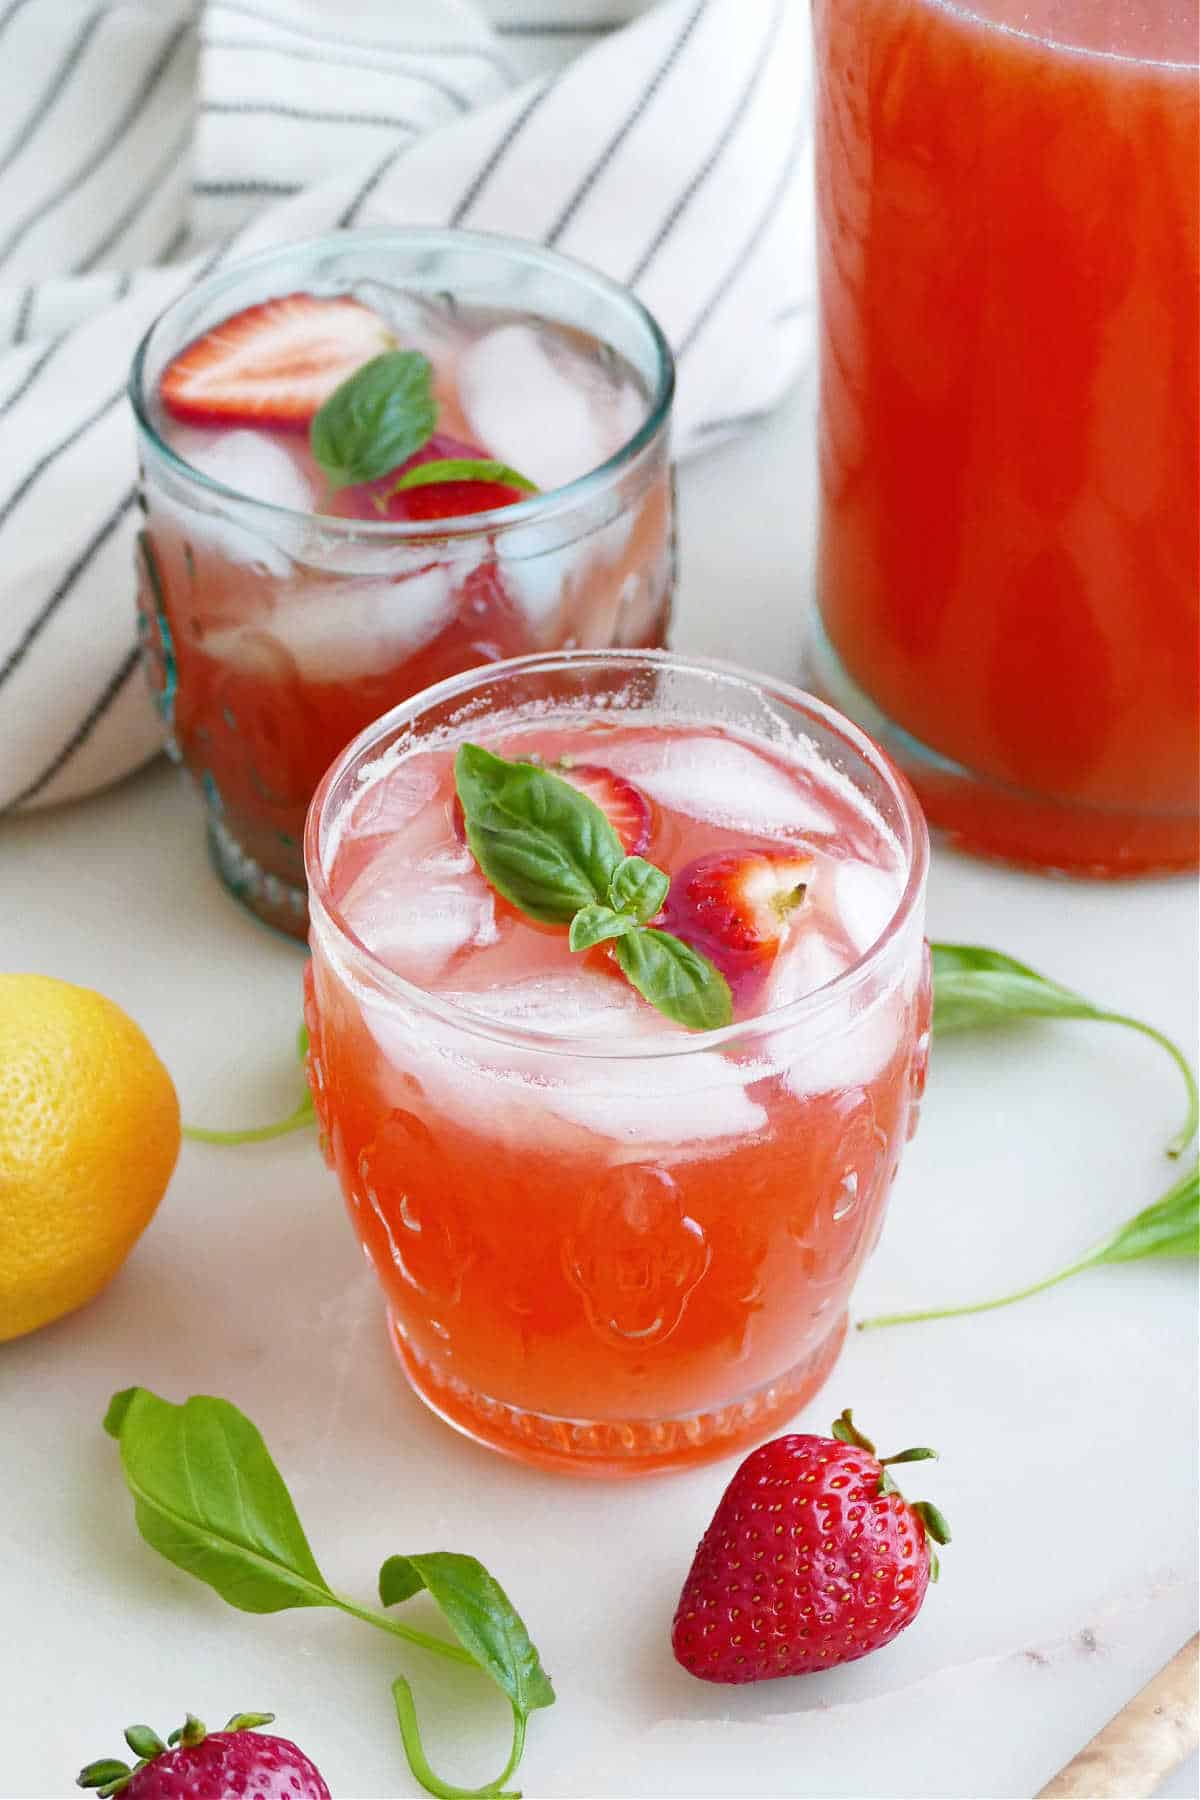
(463,468)
(376,419)
(1168,1227)
(208,1497)
(974,987)
(552,852)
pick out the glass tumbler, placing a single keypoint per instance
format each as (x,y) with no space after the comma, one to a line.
(651,1290)
(1010,312)
(272,635)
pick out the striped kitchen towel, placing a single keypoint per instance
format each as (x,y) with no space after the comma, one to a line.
(145,142)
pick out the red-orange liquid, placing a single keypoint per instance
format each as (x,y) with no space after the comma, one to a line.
(562,1285)
(1009,384)
(258,732)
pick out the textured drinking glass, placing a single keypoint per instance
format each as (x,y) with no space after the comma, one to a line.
(596,1258)
(272,635)
(1007,583)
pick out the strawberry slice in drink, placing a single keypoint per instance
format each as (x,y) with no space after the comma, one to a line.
(377,500)
(624,806)
(736,906)
(274,364)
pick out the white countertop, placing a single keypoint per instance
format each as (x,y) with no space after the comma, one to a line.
(1066,1425)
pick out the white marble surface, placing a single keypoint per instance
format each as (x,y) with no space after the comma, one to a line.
(1066,1425)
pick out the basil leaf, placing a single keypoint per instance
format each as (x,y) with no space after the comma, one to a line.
(208,1497)
(638,888)
(539,841)
(480,1614)
(462,468)
(675,978)
(376,419)
(594,924)
(1170,1226)
(975,987)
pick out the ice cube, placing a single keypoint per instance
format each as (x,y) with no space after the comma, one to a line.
(251,463)
(663,1106)
(842,1041)
(723,781)
(393,799)
(416,916)
(243,534)
(527,410)
(578,1005)
(537,585)
(807,961)
(865,899)
(338,631)
(670,1108)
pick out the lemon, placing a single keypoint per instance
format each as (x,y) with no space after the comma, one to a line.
(89,1134)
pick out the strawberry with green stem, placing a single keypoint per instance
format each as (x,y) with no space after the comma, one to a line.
(196,1764)
(813,1558)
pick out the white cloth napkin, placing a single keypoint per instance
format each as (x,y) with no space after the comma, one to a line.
(143,143)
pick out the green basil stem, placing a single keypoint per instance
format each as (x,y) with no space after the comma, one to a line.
(255,1134)
(1170,1226)
(1187,1131)
(411,1634)
(406,1715)
(259,1134)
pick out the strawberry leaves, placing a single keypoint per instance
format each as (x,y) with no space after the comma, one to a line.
(551,851)
(209,1498)
(376,419)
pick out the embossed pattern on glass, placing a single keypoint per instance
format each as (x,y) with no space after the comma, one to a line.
(602,1246)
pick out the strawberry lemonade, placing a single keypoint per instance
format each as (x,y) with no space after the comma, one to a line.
(618,1012)
(369,463)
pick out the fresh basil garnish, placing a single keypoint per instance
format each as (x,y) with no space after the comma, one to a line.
(540,842)
(463,468)
(208,1497)
(376,419)
(675,978)
(595,924)
(975,987)
(552,852)
(638,888)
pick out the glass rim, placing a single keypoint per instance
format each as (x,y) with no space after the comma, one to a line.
(324,913)
(538,506)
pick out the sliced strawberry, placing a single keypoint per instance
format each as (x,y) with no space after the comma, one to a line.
(440,500)
(624,806)
(736,905)
(273,364)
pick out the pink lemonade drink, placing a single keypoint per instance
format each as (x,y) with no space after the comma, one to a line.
(1009,256)
(609,1242)
(370,462)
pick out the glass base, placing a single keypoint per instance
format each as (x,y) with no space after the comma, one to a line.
(279,904)
(1010,824)
(619,1447)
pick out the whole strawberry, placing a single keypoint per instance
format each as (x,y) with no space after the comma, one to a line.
(234,1764)
(813,1558)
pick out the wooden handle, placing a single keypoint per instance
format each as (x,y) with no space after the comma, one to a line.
(1148,1738)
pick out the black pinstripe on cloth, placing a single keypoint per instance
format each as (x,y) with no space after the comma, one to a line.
(669,154)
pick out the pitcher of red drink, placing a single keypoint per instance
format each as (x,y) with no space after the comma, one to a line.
(1007,583)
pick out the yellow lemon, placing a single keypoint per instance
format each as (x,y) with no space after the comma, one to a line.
(89,1134)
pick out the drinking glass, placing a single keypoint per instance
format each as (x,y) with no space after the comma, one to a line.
(271,636)
(592,1258)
